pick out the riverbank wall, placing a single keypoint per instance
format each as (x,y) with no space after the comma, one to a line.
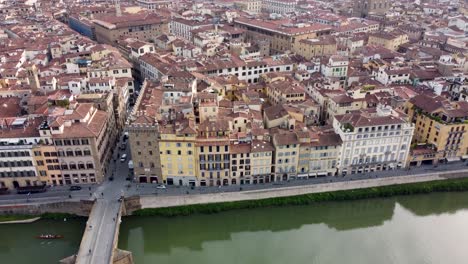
(79,208)
(154,202)
(25,221)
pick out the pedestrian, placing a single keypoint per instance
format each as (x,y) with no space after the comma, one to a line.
(102,194)
(90,194)
(113,219)
(69,196)
(89,188)
(90,251)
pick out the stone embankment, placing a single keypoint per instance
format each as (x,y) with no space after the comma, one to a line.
(170,201)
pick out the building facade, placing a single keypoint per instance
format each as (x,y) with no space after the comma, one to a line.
(364,8)
(142,27)
(373,141)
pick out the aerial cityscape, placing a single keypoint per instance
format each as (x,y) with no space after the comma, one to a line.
(233,131)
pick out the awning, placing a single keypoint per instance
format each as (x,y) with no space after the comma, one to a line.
(322,173)
(302,175)
(452,159)
(312,174)
(465,157)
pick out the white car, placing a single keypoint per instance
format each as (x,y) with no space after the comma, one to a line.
(123,158)
(161,186)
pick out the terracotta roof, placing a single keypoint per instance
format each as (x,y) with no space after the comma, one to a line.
(10,107)
(275,112)
(287,138)
(261,146)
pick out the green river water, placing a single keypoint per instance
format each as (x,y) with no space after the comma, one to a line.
(417,229)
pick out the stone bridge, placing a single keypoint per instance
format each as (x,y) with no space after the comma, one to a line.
(100,238)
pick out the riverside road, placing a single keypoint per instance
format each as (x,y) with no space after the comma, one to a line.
(119,186)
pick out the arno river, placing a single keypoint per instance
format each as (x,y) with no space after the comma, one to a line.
(413,229)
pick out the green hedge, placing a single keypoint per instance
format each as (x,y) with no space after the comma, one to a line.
(450,185)
(50,216)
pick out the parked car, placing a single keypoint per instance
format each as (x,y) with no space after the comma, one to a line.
(123,158)
(75,188)
(161,186)
(123,146)
(31,189)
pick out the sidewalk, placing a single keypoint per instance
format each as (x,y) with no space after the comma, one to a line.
(169,201)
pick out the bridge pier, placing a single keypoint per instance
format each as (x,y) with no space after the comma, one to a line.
(119,257)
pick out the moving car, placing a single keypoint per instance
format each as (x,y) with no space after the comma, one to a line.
(123,158)
(75,188)
(161,186)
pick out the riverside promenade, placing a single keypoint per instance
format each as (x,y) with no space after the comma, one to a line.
(151,201)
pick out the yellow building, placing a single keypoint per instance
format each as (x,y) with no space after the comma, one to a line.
(442,124)
(207,107)
(387,40)
(285,92)
(47,164)
(342,104)
(316,47)
(177,153)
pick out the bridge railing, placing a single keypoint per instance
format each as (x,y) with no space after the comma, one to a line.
(115,238)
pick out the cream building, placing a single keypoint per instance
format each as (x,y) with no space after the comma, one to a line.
(373,140)
(261,158)
(286,155)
